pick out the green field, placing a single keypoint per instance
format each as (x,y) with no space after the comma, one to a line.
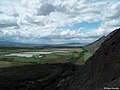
(74,55)
(39,73)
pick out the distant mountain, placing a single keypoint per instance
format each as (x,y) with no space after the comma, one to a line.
(5,43)
(73,44)
(8,43)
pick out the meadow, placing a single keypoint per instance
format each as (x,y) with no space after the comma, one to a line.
(74,55)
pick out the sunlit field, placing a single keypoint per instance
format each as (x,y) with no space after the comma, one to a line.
(74,55)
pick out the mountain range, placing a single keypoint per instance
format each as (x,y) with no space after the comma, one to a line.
(8,43)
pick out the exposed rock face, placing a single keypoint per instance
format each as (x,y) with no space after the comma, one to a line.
(101,70)
(95,45)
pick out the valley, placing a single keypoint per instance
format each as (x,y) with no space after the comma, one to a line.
(15,56)
(39,68)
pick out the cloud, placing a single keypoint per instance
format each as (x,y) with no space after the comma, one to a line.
(40,20)
(45,9)
(112,11)
(6,21)
(7,25)
(1,12)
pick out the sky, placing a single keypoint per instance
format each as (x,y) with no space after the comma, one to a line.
(57,21)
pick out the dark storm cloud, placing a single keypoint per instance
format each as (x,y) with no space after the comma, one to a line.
(1,12)
(45,9)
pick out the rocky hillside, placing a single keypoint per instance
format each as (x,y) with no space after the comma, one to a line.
(95,45)
(35,77)
(101,71)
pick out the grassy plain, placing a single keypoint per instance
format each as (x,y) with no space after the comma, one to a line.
(74,55)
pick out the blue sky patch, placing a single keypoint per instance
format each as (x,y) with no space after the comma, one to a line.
(86,25)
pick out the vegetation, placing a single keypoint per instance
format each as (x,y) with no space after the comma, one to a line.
(39,72)
(71,55)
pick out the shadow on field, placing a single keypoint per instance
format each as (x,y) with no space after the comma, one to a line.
(36,77)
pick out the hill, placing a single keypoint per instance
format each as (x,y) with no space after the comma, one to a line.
(95,45)
(6,43)
(19,44)
(35,77)
(102,70)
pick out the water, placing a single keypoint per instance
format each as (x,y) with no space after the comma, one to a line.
(20,55)
(30,54)
(27,54)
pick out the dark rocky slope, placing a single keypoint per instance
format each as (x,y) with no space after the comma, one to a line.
(101,70)
(35,77)
(95,45)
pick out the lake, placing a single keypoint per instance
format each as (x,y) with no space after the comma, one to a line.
(30,54)
(27,54)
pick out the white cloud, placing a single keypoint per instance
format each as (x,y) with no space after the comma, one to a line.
(36,19)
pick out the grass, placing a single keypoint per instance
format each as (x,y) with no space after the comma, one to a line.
(87,55)
(4,64)
(74,55)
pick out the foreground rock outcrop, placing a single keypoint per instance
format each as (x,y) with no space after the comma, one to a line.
(35,77)
(101,71)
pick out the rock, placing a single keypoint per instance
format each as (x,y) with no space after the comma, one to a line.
(101,70)
(95,45)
